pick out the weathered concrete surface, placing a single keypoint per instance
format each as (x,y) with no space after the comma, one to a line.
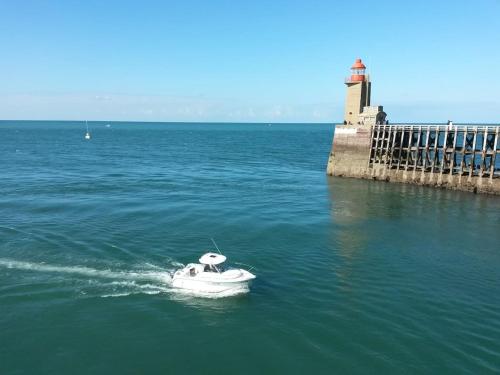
(350,155)
(350,151)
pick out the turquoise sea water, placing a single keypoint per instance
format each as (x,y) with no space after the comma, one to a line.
(353,276)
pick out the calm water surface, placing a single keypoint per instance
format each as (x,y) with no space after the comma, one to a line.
(353,276)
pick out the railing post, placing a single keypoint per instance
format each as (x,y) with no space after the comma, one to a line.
(418,150)
(403,133)
(371,146)
(435,154)
(408,149)
(452,163)
(443,160)
(375,150)
(394,135)
(382,144)
(387,150)
(462,162)
(473,155)
(483,152)
(494,155)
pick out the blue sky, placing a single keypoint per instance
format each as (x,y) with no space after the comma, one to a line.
(252,61)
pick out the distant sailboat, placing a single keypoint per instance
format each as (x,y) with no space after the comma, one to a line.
(87,134)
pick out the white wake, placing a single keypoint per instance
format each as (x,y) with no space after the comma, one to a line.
(124,283)
(163,276)
(154,280)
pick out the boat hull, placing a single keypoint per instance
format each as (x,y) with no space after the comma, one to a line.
(210,287)
(232,281)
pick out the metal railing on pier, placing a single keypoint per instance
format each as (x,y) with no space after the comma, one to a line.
(467,150)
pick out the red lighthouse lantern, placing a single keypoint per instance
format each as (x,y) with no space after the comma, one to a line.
(358,71)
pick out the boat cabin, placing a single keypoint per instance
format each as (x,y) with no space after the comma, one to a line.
(212,262)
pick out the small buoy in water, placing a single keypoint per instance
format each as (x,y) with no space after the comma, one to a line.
(87,134)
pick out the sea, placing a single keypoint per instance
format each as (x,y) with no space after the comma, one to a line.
(353,276)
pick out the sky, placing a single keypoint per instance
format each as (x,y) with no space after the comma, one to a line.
(247,61)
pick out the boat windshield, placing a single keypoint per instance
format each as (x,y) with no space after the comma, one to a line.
(213,268)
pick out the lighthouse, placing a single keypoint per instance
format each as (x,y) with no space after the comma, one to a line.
(352,140)
(358,95)
(358,92)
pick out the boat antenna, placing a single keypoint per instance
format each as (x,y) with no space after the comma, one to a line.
(217,247)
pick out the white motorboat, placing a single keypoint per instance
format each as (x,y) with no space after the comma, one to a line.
(211,277)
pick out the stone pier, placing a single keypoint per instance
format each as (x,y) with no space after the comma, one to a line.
(461,157)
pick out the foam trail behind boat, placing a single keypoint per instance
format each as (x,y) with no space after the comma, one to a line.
(153,280)
(159,276)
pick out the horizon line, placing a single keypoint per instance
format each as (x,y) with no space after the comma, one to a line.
(174,122)
(246,122)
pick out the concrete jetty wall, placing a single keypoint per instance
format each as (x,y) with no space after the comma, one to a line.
(454,157)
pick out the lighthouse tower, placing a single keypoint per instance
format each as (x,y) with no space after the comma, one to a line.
(358,93)
(352,141)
